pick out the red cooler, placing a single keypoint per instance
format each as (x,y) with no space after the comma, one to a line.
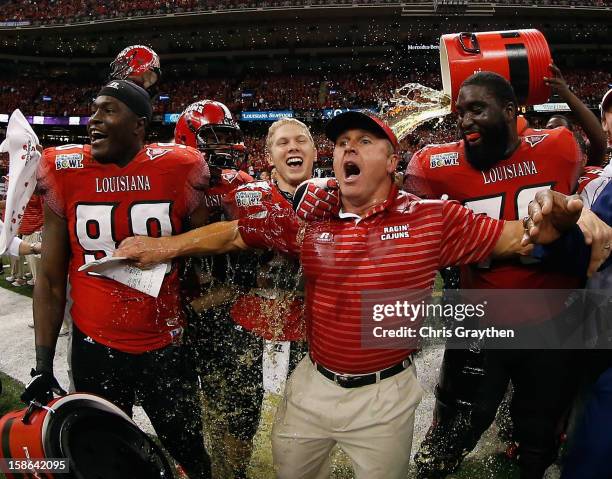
(521,56)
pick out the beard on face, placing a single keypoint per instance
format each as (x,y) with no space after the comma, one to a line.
(492,147)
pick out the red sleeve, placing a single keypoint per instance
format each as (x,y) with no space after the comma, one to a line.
(273,227)
(197,183)
(245,177)
(466,237)
(415,176)
(49,185)
(245,201)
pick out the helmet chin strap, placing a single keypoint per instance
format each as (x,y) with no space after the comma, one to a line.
(226,159)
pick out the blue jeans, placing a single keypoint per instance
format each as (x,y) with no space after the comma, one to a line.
(592,450)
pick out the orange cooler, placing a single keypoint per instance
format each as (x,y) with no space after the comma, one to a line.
(95,437)
(521,56)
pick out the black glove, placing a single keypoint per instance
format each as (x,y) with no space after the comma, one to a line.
(41,388)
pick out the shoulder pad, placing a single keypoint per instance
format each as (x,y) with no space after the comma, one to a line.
(235,178)
(256,185)
(156,150)
(442,148)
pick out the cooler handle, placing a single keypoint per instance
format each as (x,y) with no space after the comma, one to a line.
(34,405)
(476,47)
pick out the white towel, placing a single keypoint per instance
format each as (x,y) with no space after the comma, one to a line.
(20,143)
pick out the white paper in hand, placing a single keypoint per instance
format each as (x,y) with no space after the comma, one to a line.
(147,281)
(20,143)
(107,260)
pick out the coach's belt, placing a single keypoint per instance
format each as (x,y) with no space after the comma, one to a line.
(358,380)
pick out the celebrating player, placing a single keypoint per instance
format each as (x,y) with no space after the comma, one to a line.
(494,171)
(125,344)
(253,299)
(211,285)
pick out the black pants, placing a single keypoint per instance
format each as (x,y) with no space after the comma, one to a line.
(544,384)
(229,361)
(164,385)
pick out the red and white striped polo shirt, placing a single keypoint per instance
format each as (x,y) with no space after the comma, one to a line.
(400,243)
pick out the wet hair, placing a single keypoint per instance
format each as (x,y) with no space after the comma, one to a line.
(286,121)
(497,85)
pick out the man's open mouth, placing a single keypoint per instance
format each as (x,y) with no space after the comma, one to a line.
(295,162)
(351,170)
(96,136)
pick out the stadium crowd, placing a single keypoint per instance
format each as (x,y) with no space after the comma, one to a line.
(59,97)
(67,11)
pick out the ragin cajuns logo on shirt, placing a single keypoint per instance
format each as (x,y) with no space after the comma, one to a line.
(395,232)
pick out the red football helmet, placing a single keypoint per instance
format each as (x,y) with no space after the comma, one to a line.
(209,126)
(137,63)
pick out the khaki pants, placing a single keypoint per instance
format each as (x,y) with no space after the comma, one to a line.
(18,270)
(372,424)
(33,259)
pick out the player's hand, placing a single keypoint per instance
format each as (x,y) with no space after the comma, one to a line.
(144,250)
(41,388)
(550,214)
(556,80)
(598,235)
(317,199)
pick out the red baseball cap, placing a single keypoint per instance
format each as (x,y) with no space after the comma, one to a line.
(606,101)
(362,119)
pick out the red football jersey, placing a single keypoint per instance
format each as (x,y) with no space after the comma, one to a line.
(205,272)
(275,309)
(544,159)
(398,245)
(230,180)
(103,204)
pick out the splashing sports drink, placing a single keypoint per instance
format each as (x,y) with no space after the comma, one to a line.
(412,105)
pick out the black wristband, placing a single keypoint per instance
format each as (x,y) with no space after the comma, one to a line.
(44,359)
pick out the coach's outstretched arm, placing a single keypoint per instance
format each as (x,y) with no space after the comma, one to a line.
(49,305)
(216,238)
